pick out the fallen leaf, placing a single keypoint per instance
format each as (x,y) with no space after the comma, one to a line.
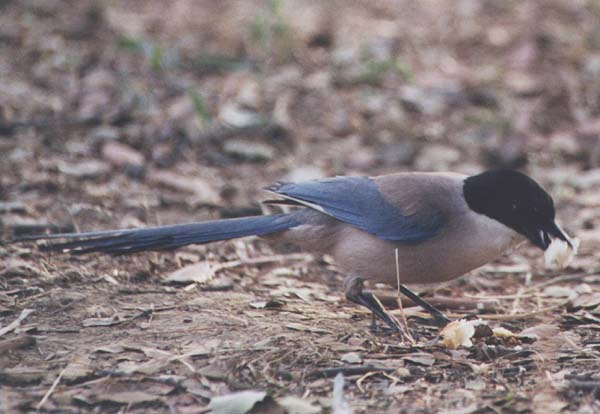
(200,272)
(547,400)
(264,304)
(236,403)
(20,376)
(113,320)
(129,397)
(77,370)
(84,169)
(18,267)
(295,405)
(550,339)
(203,193)
(110,349)
(420,359)
(501,332)
(588,300)
(559,292)
(121,155)
(234,115)
(248,150)
(351,358)
(300,327)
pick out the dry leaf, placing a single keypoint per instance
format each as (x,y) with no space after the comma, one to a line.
(113,320)
(587,300)
(263,304)
(203,193)
(121,155)
(236,403)
(300,327)
(84,169)
(77,369)
(295,405)
(351,358)
(550,339)
(501,332)
(200,272)
(129,397)
(422,358)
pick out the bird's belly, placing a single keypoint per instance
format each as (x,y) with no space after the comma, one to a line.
(441,258)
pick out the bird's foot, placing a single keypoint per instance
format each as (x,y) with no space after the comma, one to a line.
(439,319)
(354,293)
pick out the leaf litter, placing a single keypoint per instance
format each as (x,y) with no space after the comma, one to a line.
(144,134)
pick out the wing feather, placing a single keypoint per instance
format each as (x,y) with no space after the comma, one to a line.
(359,202)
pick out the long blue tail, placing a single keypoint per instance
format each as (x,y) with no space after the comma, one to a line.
(119,242)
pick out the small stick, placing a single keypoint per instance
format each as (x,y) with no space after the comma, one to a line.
(14,324)
(504,317)
(51,390)
(399,300)
(397,272)
(405,331)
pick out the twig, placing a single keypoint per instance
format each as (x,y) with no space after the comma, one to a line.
(399,301)
(267,259)
(390,301)
(51,390)
(14,324)
(361,379)
(517,301)
(563,278)
(353,370)
(502,317)
(397,274)
(405,332)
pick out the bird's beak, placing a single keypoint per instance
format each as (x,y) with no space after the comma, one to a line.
(542,237)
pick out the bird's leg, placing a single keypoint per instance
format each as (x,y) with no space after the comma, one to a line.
(353,286)
(438,317)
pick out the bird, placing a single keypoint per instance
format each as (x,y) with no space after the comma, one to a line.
(400,228)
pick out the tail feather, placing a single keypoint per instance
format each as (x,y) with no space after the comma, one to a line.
(128,241)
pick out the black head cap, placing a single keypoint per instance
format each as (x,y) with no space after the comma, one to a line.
(515,200)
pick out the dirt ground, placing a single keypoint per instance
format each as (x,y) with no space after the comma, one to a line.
(126,114)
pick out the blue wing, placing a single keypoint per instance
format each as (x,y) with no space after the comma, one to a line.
(358,202)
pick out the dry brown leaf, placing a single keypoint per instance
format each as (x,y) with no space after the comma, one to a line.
(547,400)
(587,300)
(77,369)
(129,397)
(236,403)
(84,169)
(203,193)
(300,327)
(113,320)
(550,339)
(200,272)
(295,405)
(121,155)
(420,359)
